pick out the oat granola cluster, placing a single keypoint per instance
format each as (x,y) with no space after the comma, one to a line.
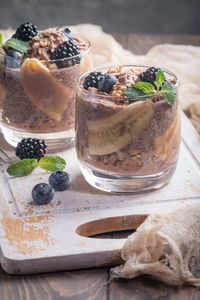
(43,45)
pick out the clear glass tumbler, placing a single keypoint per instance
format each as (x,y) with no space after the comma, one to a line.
(127,148)
(37,99)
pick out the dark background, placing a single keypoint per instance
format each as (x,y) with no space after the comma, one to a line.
(115,16)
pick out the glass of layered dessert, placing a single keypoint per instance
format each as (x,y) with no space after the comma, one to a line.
(38,77)
(127,127)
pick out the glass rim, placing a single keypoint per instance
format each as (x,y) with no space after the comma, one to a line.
(82,53)
(110,97)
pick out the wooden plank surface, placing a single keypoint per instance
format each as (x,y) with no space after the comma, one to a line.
(91,284)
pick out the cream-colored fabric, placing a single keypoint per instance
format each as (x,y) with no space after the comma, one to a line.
(183,60)
(165,246)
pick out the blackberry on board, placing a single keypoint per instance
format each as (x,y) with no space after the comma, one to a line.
(26,32)
(92,80)
(66,50)
(31,148)
(149,75)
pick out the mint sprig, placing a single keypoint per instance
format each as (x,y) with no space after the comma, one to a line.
(169,92)
(22,168)
(133,92)
(146,89)
(25,167)
(1,39)
(52,163)
(160,77)
(17,45)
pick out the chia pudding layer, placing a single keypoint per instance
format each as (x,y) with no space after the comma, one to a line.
(126,136)
(38,92)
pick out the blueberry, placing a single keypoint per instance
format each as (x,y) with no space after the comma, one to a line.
(42,193)
(60,180)
(106,83)
(13,59)
(67,32)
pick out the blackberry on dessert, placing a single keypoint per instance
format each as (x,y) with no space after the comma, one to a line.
(25,32)
(66,50)
(92,80)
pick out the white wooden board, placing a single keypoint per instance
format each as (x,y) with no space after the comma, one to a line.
(51,237)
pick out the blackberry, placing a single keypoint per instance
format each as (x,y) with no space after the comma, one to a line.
(92,80)
(42,193)
(31,148)
(66,50)
(25,32)
(149,75)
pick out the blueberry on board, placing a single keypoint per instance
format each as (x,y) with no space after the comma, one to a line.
(106,83)
(60,180)
(42,193)
(67,32)
(13,59)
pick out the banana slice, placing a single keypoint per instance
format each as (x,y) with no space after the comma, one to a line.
(47,93)
(110,134)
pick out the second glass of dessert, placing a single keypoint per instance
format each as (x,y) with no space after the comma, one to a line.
(127,127)
(39,72)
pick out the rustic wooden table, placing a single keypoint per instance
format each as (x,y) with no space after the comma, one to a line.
(92,284)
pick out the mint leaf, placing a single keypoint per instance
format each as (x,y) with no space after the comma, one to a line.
(132,92)
(146,87)
(17,45)
(159,78)
(21,168)
(157,85)
(169,92)
(1,38)
(52,163)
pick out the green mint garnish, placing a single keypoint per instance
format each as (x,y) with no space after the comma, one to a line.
(17,45)
(145,87)
(52,163)
(167,90)
(21,168)
(1,39)
(160,77)
(133,92)
(25,167)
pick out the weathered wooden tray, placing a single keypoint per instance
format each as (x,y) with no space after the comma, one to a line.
(56,236)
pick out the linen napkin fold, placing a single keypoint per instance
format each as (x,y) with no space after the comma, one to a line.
(166,247)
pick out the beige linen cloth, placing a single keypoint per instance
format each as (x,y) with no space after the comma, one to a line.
(183,60)
(166,247)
